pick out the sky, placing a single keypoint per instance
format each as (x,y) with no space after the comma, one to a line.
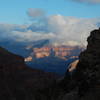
(14,11)
(60,21)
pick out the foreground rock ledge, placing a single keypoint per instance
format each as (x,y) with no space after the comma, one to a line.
(84,83)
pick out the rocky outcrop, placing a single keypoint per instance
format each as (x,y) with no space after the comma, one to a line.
(84,82)
(63,52)
(87,75)
(73,66)
(17,81)
(88,69)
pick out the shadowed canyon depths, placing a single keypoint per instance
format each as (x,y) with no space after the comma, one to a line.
(53,58)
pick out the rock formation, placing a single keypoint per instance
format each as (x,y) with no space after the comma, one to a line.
(84,82)
(17,81)
(73,66)
(88,69)
(63,52)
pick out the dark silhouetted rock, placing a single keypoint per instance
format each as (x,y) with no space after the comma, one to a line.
(84,82)
(87,75)
(17,81)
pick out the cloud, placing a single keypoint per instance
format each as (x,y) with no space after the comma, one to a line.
(71,30)
(40,26)
(23,33)
(30,36)
(57,29)
(88,1)
(35,12)
(6,30)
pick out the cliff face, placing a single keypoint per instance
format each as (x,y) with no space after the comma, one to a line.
(85,81)
(88,69)
(53,58)
(9,66)
(63,52)
(17,81)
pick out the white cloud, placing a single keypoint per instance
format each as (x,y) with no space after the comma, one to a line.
(30,36)
(71,29)
(58,29)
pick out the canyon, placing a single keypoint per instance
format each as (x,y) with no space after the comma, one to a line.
(54,59)
(63,52)
(80,82)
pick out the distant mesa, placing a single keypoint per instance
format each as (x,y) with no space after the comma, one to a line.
(63,52)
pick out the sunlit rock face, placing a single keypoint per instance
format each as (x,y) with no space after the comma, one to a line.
(48,51)
(73,66)
(28,59)
(62,52)
(53,58)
